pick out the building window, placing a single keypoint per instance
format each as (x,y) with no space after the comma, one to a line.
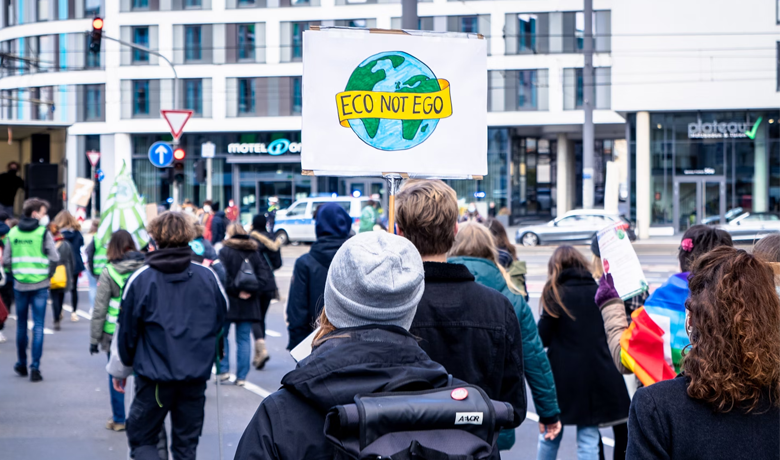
(91,60)
(246,42)
(140,4)
(141,37)
(246,96)
(297,39)
(140,97)
(93,109)
(574,88)
(517,90)
(246,3)
(526,37)
(468,24)
(192,43)
(193,95)
(193,4)
(297,97)
(91,8)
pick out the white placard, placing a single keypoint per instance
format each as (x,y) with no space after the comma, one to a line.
(619,258)
(427,94)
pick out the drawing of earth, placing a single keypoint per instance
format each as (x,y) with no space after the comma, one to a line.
(393,71)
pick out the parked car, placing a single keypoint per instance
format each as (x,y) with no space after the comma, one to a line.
(730,215)
(578,226)
(750,226)
(296,223)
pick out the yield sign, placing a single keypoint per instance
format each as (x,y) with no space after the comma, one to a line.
(94,157)
(176,120)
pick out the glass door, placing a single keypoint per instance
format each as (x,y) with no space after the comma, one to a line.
(699,200)
(687,199)
(283,190)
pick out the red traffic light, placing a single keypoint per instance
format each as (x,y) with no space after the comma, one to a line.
(179,154)
(97,23)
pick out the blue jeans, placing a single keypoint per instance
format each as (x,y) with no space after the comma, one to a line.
(117,400)
(587,444)
(243,352)
(92,290)
(25,300)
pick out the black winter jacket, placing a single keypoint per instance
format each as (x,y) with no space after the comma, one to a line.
(76,241)
(235,250)
(308,287)
(473,331)
(172,311)
(270,248)
(218,227)
(591,391)
(665,423)
(288,425)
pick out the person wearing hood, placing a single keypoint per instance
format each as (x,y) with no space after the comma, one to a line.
(363,346)
(332,226)
(271,254)
(247,305)
(123,260)
(218,224)
(29,252)
(203,252)
(70,229)
(475,248)
(62,281)
(171,317)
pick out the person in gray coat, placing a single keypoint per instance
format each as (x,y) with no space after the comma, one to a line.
(57,294)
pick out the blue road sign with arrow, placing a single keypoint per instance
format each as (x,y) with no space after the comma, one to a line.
(100,175)
(161,154)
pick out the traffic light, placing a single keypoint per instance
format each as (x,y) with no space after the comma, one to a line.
(96,35)
(178,165)
(200,171)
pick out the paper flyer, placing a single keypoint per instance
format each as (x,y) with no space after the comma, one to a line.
(619,258)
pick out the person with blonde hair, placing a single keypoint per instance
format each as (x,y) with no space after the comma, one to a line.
(475,247)
(70,229)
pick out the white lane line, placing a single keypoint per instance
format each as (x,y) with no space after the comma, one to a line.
(81,313)
(30,325)
(272,333)
(249,386)
(534,417)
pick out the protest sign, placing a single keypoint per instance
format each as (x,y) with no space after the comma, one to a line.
(619,259)
(378,102)
(82,192)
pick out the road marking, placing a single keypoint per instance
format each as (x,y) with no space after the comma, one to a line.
(249,386)
(534,417)
(272,333)
(30,325)
(81,313)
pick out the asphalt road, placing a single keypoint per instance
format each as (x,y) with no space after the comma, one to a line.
(64,416)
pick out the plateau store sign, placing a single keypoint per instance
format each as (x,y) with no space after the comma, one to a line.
(277,147)
(723,130)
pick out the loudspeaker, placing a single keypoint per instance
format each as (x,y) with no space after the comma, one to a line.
(40,145)
(42,181)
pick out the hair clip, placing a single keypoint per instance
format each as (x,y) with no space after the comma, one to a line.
(687,245)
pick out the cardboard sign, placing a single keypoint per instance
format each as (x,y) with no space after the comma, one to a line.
(619,258)
(387,101)
(82,192)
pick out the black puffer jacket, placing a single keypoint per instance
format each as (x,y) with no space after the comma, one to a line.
(288,425)
(591,391)
(236,249)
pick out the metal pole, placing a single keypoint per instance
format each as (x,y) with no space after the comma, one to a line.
(208,178)
(393,184)
(588,199)
(409,19)
(94,194)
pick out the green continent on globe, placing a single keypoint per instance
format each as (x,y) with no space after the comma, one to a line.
(426,85)
(364,79)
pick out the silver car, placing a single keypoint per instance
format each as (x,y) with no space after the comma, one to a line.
(578,226)
(752,226)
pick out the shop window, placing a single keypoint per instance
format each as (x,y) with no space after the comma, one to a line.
(246,42)
(140,37)
(246,96)
(193,95)
(193,47)
(140,97)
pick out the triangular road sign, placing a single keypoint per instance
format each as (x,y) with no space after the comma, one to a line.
(176,120)
(94,157)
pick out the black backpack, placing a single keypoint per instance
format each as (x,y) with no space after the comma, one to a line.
(453,423)
(245,279)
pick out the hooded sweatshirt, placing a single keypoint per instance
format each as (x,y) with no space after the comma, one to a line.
(171,314)
(370,359)
(76,243)
(107,289)
(311,271)
(28,224)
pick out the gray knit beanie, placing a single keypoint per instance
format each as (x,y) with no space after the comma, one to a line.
(374,278)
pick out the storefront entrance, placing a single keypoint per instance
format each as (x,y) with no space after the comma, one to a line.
(367,187)
(699,200)
(287,191)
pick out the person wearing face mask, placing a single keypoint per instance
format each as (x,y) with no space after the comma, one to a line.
(205,220)
(10,183)
(472,214)
(29,252)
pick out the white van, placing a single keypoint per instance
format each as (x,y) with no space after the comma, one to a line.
(296,223)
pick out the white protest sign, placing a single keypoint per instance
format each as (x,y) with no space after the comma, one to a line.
(619,258)
(375,103)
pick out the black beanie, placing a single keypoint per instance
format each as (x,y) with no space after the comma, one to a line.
(594,247)
(259,223)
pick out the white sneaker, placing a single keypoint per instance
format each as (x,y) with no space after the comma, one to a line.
(2,338)
(74,317)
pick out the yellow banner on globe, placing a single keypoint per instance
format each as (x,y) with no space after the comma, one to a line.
(394,105)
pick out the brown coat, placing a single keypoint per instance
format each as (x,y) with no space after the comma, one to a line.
(615,323)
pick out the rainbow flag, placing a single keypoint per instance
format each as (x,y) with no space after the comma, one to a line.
(652,345)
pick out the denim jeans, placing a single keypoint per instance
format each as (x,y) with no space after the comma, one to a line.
(243,352)
(117,400)
(92,290)
(25,300)
(587,444)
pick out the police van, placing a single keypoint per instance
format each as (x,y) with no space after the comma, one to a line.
(296,223)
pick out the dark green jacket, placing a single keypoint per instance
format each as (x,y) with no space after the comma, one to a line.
(537,367)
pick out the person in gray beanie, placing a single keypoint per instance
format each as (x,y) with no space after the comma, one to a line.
(362,346)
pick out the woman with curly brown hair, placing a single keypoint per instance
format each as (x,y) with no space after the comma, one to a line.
(726,403)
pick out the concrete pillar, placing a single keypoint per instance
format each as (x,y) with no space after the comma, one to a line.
(643,214)
(760,170)
(564,178)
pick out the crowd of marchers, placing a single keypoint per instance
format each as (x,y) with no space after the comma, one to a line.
(417,344)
